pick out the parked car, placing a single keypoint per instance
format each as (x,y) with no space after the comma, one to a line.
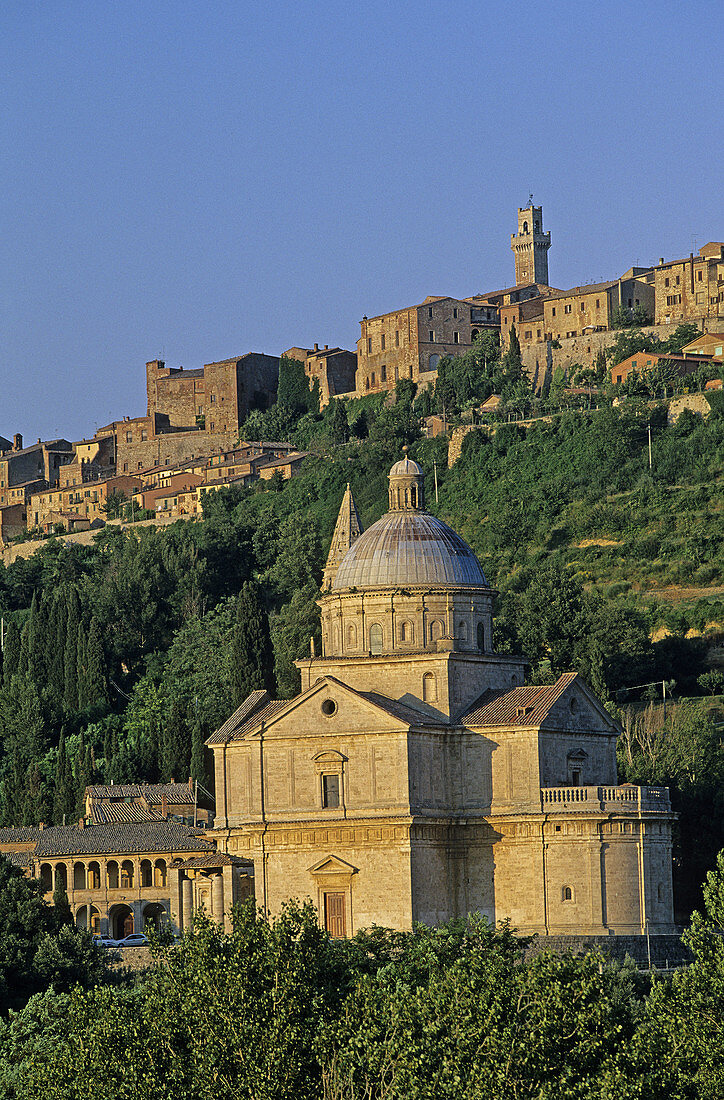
(105,941)
(136,939)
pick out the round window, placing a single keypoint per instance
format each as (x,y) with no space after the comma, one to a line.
(329,707)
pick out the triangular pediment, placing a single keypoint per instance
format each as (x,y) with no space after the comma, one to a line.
(330,706)
(579,707)
(332,865)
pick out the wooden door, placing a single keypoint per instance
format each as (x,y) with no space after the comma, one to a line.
(334,915)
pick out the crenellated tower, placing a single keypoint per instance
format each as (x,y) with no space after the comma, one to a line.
(530,246)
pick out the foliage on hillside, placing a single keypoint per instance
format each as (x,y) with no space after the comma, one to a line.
(275,1010)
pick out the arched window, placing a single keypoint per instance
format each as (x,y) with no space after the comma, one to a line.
(126,874)
(112,872)
(429,687)
(407,632)
(351,636)
(61,875)
(434,360)
(79,876)
(46,877)
(567,893)
(463,631)
(376,638)
(481,637)
(525,227)
(94,875)
(436,630)
(159,872)
(146,873)
(473,334)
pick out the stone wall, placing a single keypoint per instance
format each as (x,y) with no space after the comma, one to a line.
(169,448)
(542,360)
(665,950)
(82,538)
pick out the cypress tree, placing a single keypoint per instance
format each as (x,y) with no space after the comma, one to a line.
(83,776)
(36,641)
(64,797)
(37,800)
(11,652)
(55,651)
(70,661)
(251,650)
(96,684)
(82,668)
(339,429)
(23,657)
(198,768)
(63,913)
(176,743)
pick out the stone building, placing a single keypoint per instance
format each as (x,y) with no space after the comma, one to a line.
(691,289)
(131,871)
(217,396)
(417,778)
(410,342)
(530,246)
(644,362)
(335,369)
(591,308)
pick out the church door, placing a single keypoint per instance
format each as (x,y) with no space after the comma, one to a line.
(334,915)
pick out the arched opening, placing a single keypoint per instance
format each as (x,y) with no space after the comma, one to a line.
(436,630)
(463,631)
(429,687)
(154,917)
(94,875)
(121,921)
(46,877)
(413,496)
(567,893)
(481,637)
(112,874)
(376,638)
(525,227)
(61,876)
(474,334)
(433,361)
(407,632)
(146,873)
(126,874)
(79,876)
(81,919)
(159,872)
(351,636)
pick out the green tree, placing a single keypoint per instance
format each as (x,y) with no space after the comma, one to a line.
(252,658)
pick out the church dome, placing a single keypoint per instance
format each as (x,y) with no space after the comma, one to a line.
(406,466)
(409,548)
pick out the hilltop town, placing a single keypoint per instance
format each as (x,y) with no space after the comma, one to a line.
(188,441)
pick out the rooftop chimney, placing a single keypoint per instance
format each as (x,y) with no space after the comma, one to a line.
(164,807)
(316,347)
(661,260)
(17,442)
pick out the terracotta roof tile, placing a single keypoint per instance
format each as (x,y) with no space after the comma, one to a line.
(256,708)
(152,836)
(522,706)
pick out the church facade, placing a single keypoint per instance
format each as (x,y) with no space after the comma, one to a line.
(416,777)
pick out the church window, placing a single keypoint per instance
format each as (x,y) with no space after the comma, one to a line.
(429,687)
(329,707)
(436,630)
(407,632)
(352,636)
(463,631)
(481,636)
(376,638)
(567,893)
(330,792)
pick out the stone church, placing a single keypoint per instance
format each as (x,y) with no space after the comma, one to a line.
(416,777)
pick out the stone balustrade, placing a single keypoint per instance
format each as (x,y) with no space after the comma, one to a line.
(606,799)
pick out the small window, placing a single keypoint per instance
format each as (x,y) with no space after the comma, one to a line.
(666,282)
(432,336)
(376,638)
(407,631)
(699,275)
(481,637)
(397,338)
(436,630)
(567,893)
(382,342)
(329,707)
(429,311)
(212,398)
(330,792)
(369,345)
(429,688)
(583,306)
(553,311)
(456,338)
(678,280)
(598,303)
(383,374)
(455,312)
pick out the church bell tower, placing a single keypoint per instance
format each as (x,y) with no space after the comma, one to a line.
(530,246)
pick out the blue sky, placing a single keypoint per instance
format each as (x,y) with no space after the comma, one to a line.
(194,180)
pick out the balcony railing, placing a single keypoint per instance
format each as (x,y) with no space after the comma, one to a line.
(608,799)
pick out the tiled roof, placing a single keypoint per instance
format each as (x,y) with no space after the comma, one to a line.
(257,708)
(122,812)
(216,859)
(152,792)
(588,288)
(522,706)
(15,834)
(23,860)
(152,836)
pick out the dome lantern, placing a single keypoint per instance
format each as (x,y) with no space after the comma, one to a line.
(407,486)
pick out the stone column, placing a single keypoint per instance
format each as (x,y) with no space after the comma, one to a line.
(229,899)
(187,903)
(217,898)
(176,903)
